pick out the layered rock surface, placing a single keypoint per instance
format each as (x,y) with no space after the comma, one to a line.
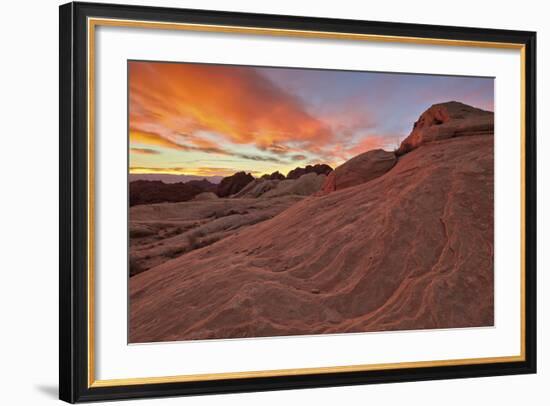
(160,232)
(360,169)
(257,188)
(305,185)
(412,249)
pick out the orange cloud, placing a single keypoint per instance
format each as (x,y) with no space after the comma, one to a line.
(238,103)
(149,138)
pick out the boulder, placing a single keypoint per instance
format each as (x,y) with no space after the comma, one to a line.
(360,169)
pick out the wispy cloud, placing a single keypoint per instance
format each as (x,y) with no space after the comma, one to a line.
(144,151)
(200,171)
(190,143)
(152,139)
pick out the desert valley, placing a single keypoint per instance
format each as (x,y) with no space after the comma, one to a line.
(388,240)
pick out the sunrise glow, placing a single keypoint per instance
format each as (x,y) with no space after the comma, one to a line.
(215,120)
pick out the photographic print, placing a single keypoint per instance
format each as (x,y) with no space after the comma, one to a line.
(271,201)
(287,202)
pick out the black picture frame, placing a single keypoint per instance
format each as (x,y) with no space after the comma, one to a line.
(73,120)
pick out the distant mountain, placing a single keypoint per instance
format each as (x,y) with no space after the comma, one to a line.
(156,191)
(166,178)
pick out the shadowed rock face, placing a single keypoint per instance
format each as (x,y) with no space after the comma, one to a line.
(319,169)
(156,191)
(447,120)
(233,184)
(360,169)
(274,176)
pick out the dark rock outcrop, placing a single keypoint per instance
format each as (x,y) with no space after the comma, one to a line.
(156,191)
(274,176)
(319,169)
(233,184)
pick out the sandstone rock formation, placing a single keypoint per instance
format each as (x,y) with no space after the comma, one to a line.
(412,249)
(305,185)
(156,191)
(447,120)
(319,169)
(233,184)
(257,188)
(274,176)
(360,169)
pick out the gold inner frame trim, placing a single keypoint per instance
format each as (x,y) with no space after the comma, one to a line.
(94,22)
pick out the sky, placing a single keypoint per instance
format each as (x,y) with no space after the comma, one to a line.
(215,120)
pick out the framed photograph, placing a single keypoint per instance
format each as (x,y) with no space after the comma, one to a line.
(258,202)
